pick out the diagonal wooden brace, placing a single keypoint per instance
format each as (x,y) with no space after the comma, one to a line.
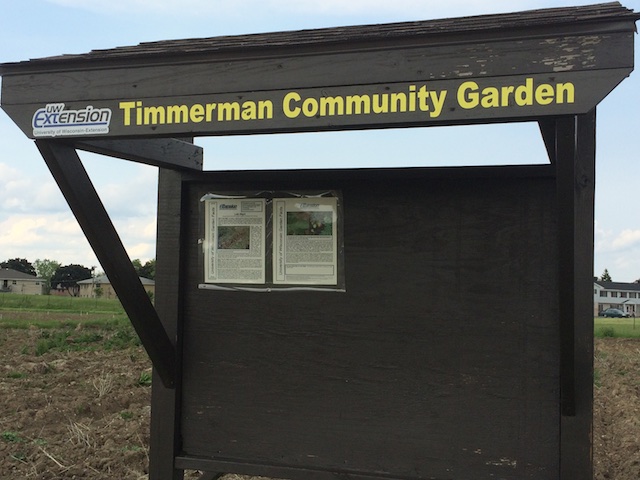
(75,184)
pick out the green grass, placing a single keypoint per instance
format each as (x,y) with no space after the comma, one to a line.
(13,301)
(616,327)
(68,323)
(46,311)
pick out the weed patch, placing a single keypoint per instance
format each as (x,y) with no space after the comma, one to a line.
(144,380)
(85,339)
(11,437)
(126,415)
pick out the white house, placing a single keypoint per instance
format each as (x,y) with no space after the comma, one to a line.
(102,287)
(624,296)
(13,281)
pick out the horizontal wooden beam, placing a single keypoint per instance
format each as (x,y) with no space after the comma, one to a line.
(210,476)
(75,184)
(169,153)
(273,471)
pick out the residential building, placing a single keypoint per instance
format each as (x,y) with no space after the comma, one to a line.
(624,296)
(100,286)
(13,281)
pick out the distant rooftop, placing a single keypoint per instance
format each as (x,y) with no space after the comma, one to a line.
(104,279)
(619,285)
(10,274)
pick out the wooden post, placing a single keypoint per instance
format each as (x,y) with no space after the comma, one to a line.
(575,151)
(165,402)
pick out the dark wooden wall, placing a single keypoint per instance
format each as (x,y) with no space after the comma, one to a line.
(439,361)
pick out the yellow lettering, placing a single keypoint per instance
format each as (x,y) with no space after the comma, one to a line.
(468,95)
(506,92)
(310,107)
(154,116)
(265,109)
(127,107)
(228,111)
(565,93)
(398,102)
(331,106)
(545,94)
(196,113)
(177,114)
(358,104)
(286,105)
(423,97)
(438,103)
(412,98)
(210,108)
(380,103)
(490,97)
(249,111)
(524,93)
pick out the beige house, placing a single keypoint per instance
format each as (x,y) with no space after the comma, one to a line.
(13,281)
(101,287)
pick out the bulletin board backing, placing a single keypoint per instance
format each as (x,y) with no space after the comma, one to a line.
(439,360)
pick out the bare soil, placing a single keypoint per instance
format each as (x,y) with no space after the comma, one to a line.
(85,414)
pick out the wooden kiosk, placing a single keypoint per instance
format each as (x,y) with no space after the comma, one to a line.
(425,323)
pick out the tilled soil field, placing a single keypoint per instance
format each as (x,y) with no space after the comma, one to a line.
(85,414)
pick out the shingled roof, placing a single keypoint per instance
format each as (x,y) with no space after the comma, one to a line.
(11,274)
(634,287)
(346,36)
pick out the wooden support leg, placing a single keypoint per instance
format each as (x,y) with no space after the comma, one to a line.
(165,402)
(575,153)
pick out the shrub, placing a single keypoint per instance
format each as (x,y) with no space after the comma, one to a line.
(608,332)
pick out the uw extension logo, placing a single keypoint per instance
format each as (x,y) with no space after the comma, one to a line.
(53,121)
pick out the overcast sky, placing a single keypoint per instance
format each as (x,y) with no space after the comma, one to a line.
(35,221)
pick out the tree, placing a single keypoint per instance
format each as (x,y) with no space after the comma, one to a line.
(68,276)
(20,265)
(148,270)
(45,269)
(605,276)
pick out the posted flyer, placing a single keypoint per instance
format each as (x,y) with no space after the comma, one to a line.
(305,250)
(234,243)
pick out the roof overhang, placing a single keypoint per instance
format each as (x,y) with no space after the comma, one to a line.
(492,68)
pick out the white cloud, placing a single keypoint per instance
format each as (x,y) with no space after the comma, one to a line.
(24,192)
(27,231)
(57,236)
(626,239)
(618,252)
(610,241)
(131,194)
(142,251)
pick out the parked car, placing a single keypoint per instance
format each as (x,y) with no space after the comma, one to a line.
(613,312)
